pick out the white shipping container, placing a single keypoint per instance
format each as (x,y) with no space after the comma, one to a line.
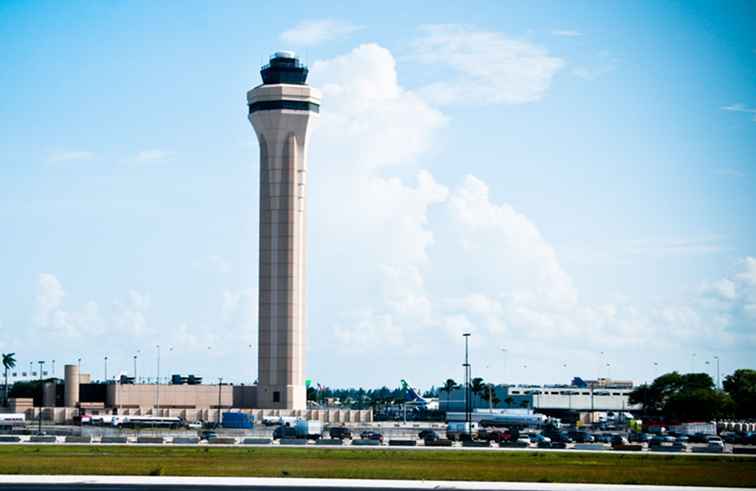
(693,428)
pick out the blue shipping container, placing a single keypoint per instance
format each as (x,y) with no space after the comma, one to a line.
(237,420)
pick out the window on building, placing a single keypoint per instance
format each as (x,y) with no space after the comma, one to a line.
(276,396)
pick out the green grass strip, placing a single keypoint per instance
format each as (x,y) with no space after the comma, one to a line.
(574,467)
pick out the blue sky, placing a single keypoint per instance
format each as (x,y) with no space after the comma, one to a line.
(561,179)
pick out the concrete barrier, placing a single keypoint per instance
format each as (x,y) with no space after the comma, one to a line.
(329,441)
(441,442)
(744,450)
(366,443)
(9,439)
(402,443)
(513,445)
(222,440)
(629,448)
(293,441)
(591,446)
(78,439)
(666,448)
(43,439)
(185,440)
(257,441)
(707,449)
(475,443)
(119,440)
(150,439)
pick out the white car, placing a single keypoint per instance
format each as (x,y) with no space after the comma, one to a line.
(194,426)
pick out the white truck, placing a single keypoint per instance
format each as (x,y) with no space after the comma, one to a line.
(9,420)
(455,430)
(301,429)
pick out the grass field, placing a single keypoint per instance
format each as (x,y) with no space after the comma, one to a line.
(380,464)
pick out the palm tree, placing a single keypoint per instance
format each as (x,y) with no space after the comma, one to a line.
(9,361)
(447,387)
(477,387)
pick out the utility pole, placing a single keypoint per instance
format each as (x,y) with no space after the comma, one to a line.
(468,402)
(157,381)
(218,418)
(42,398)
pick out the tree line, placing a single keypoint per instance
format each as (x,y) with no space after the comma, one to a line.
(694,397)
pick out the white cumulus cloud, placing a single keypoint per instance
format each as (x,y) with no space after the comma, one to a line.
(489,67)
(311,32)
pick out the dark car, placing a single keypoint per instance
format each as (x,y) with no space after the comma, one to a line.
(494,435)
(640,437)
(618,441)
(428,436)
(284,432)
(340,433)
(582,437)
(371,435)
(208,435)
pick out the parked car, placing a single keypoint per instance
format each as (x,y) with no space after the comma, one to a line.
(714,439)
(493,435)
(640,437)
(371,435)
(660,439)
(697,438)
(582,437)
(524,439)
(340,433)
(284,432)
(207,435)
(603,437)
(539,438)
(428,435)
(618,441)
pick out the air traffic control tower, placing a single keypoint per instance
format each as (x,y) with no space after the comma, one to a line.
(282,111)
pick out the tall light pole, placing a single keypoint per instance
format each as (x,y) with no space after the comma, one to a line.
(468,402)
(220,384)
(504,359)
(42,393)
(135,369)
(53,368)
(106,369)
(157,381)
(717,358)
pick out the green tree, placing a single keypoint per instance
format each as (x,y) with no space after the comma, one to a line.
(477,387)
(9,361)
(447,387)
(741,386)
(687,397)
(312,394)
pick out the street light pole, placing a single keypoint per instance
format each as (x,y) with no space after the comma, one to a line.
(106,369)
(217,418)
(42,398)
(717,358)
(468,402)
(157,381)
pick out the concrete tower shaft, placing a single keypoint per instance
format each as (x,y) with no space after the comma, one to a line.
(282,115)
